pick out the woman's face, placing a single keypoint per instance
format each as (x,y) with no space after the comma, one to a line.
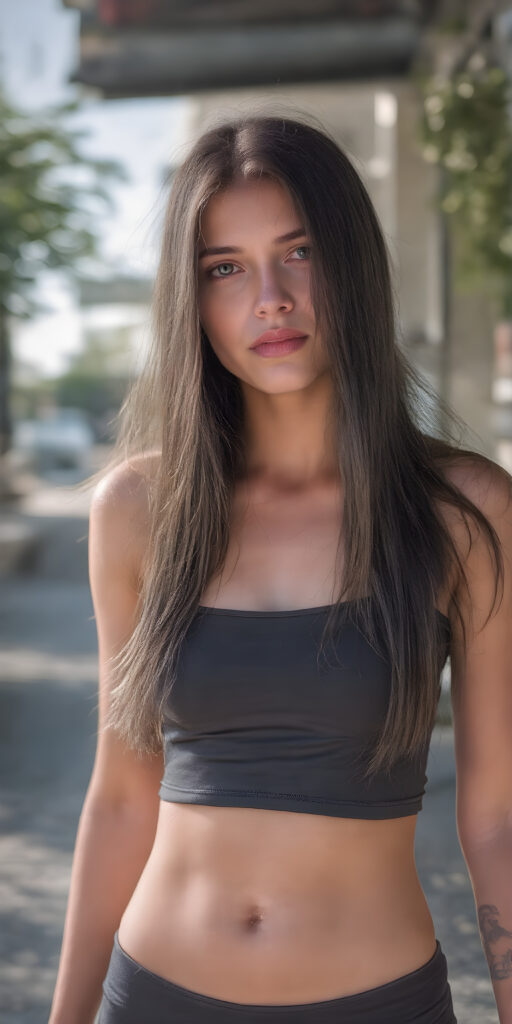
(263,285)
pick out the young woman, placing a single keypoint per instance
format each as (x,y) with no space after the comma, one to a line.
(282,556)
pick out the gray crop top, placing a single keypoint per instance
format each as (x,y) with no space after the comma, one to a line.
(254,721)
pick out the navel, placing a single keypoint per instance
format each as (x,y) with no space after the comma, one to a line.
(253,919)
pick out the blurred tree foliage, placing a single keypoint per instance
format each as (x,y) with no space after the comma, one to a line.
(45,213)
(96,381)
(27,400)
(466,130)
(100,397)
(97,378)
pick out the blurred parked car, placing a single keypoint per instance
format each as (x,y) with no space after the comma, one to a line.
(61,439)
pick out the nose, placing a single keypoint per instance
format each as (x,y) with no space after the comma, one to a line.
(272,296)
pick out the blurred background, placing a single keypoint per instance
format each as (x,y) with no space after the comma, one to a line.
(99,100)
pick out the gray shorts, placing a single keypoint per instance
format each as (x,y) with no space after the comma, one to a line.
(134,995)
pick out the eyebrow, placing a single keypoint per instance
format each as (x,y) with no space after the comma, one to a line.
(221,249)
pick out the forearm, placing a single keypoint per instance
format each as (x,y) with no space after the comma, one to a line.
(490,868)
(111,849)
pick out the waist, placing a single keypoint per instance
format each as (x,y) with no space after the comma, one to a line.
(217,841)
(247,904)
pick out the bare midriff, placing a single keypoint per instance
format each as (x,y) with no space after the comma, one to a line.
(263,906)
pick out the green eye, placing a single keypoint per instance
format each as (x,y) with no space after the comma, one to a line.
(307,248)
(218,267)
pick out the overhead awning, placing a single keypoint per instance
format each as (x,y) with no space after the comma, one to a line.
(147,47)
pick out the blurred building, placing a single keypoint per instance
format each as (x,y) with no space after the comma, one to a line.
(149,47)
(350,64)
(114,314)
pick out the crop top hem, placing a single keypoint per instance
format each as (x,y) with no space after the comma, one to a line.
(292,802)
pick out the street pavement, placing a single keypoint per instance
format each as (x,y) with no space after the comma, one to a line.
(48,697)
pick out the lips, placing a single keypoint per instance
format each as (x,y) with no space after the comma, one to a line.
(277,334)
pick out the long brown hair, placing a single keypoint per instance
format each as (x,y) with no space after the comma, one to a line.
(187,406)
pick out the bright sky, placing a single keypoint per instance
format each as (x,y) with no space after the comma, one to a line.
(38,52)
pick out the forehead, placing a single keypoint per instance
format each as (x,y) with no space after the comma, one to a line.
(262,201)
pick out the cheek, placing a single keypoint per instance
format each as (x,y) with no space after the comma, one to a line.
(209,305)
(219,323)
(226,346)
(220,317)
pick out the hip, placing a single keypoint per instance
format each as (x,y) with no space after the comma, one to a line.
(132,993)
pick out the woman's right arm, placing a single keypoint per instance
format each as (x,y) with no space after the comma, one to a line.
(119,815)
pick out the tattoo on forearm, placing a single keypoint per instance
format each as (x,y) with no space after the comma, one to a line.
(497,942)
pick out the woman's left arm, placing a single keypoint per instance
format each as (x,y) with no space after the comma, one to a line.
(481,695)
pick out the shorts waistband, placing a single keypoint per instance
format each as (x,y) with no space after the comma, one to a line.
(423,995)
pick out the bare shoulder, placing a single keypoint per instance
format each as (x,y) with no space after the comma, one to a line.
(489,487)
(484,483)
(120,510)
(127,482)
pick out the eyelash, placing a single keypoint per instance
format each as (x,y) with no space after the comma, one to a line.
(227,263)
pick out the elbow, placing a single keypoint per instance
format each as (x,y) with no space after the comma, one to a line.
(479,836)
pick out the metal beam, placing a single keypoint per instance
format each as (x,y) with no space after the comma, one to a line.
(128,64)
(199,13)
